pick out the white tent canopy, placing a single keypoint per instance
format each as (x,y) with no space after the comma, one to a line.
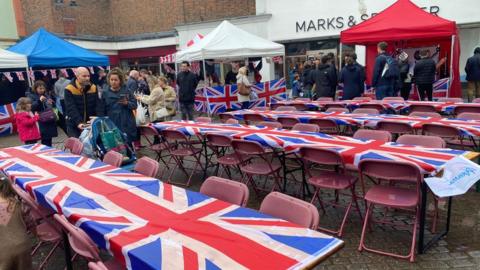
(12,60)
(229,41)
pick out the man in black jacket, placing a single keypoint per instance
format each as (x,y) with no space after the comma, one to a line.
(325,78)
(81,102)
(187,82)
(472,68)
(424,75)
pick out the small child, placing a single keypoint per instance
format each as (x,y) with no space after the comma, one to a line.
(296,91)
(27,122)
(15,245)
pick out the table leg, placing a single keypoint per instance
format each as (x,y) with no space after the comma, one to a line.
(283,159)
(423,210)
(205,149)
(68,255)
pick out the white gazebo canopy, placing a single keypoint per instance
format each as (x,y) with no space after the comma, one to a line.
(229,41)
(12,60)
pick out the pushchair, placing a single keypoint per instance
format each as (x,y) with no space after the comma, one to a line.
(104,136)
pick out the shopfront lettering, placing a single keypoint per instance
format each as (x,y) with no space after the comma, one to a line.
(340,23)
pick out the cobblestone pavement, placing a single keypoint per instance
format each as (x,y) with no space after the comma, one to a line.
(459,250)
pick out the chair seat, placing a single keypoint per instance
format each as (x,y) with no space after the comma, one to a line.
(228,159)
(46,232)
(112,264)
(185,151)
(351,167)
(332,180)
(260,168)
(392,196)
(158,147)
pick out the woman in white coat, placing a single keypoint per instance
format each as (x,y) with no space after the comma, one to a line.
(242,82)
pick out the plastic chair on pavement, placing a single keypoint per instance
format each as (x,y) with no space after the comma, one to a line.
(288,122)
(252,118)
(203,119)
(456,100)
(221,146)
(271,124)
(323,179)
(466,109)
(334,109)
(421,108)
(371,134)
(180,147)
(469,116)
(226,190)
(395,128)
(290,209)
(286,108)
(231,121)
(366,111)
(77,147)
(82,244)
(393,99)
(306,127)
(257,161)
(425,114)
(328,126)
(147,166)
(113,158)
(391,196)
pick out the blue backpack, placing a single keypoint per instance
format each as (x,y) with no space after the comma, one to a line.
(393,71)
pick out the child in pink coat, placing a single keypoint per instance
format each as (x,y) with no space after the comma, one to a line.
(27,125)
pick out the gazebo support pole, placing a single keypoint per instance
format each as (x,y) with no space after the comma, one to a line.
(206,84)
(451,66)
(28,78)
(284,59)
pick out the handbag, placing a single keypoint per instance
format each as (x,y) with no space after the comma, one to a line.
(47,116)
(243,89)
(163,112)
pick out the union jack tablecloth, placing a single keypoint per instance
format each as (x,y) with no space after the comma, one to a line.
(467,127)
(429,160)
(147,224)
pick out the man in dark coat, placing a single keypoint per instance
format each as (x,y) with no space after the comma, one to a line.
(383,82)
(187,82)
(81,102)
(307,79)
(353,78)
(325,78)
(472,68)
(424,75)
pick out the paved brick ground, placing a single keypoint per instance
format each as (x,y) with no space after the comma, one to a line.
(459,250)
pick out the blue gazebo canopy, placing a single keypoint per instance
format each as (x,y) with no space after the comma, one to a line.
(45,50)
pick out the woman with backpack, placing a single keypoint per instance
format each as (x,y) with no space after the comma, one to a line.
(44,104)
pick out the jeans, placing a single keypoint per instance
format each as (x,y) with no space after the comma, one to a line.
(473,90)
(245,105)
(383,91)
(187,111)
(425,90)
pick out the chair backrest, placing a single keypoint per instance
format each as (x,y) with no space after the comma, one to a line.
(422,108)
(456,100)
(300,107)
(250,118)
(326,125)
(288,122)
(97,266)
(425,114)
(148,131)
(394,127)
(68,143)
(291,209)
(77,147)
(303,99)
(466,109)
(321,156)
(329,106)
(203,119)
(469,116)
(218,140)
(147,166)
(390,170)
(333,109)
(366,111)
(476,100)
(113,158)
(272,124)
(362,98)
(306,127)
(370,134)
(225,116)
(231,121)
(226,190)
(422,140)
(324,99)
(286,108)
(393,99)
(171,135)
(441,131)
(247,147)
(79,240)
(376,106)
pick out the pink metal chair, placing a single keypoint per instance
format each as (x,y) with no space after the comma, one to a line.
(425,114)
(329,106)
(391,196)
(231,121)
(327,126)
(288,122)
(300,107)
(456,100)
(325,99)
(370,134)
(203,119)
(225,116)
(180,147)
(393,99)
(452,135)
(226,190)
(469,116)
(257,161)
(97,266)
(113,158)
(150,133)
(221,146)
(323,179)
(422,108)
(422,140)
(333,109)
(147,166)
(77,147)
(286,108)
(68,143)
(396,128)
(82,244)
(303,99)
(377,106)
(252,118)
(466,109)
(45,229)
(366,111)
(363,98)
(271,124)
(290,209)
(476,100)
(306,127)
